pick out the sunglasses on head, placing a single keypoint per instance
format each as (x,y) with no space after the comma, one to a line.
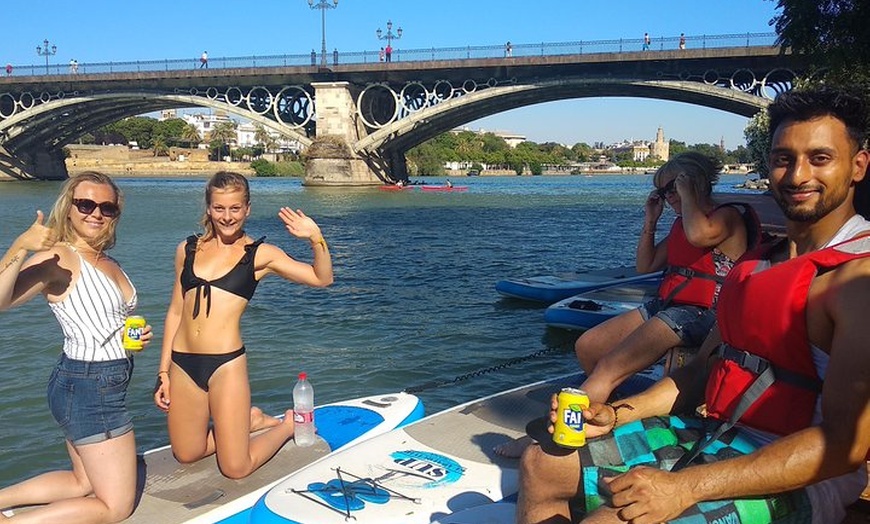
(670,187)
(86,206)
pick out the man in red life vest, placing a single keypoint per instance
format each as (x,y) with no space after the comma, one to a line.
(790,367)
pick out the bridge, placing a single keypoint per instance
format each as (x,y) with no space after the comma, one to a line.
(358,116)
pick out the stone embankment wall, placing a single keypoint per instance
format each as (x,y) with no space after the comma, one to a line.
(122,161)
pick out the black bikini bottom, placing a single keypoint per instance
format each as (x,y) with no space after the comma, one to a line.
(200,367)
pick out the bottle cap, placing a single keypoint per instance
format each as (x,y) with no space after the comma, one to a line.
(303,376)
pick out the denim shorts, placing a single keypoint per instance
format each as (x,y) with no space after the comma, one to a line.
(691,323)
(88,399)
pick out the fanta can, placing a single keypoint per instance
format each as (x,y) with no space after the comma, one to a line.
(570,428)
(132,336)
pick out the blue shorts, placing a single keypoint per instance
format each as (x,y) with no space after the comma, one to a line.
(88,400)
(691,323)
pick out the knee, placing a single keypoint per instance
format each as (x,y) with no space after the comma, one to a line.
(533,466)
(120,512)
(234,471)
(235,467)
(186,456)
(587,350)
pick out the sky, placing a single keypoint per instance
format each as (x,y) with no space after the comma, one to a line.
(104,30)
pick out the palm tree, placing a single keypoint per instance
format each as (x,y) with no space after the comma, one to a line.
(264,138)
(158,145)
(190,135)
(224,133)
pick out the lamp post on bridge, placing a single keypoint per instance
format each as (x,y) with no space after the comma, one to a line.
(323,5)
(47,52)
(389,37)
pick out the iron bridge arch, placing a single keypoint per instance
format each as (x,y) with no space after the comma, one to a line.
(398,117)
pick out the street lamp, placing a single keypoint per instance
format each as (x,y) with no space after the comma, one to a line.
(323,5)
(46,53)
(390,36)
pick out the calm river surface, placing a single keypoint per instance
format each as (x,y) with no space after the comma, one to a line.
(413,299)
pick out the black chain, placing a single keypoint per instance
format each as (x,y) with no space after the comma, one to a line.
(439,383)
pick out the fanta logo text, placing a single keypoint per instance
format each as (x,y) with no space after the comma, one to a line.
(573,419)
(134,333)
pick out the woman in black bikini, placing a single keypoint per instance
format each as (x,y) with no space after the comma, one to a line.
(203,364)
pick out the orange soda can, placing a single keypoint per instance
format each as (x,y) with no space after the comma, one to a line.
(570,428)
(132,336)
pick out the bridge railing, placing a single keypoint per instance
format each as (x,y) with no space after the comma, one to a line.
(622,45)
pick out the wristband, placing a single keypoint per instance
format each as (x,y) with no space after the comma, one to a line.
(321,241)
(616,409)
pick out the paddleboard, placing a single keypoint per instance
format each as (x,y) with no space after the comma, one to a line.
(198,493)
(589,309)
(424,471)
(504,512)
(553,288)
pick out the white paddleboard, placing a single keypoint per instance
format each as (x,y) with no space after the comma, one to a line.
(198,493)
(427,470)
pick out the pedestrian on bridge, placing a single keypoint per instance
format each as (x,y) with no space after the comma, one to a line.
(381,55)
(8,69)
(646,41)
(682,40)
(388,53)
(508,49)
(203,60)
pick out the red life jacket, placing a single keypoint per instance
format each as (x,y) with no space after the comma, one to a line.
(690,277)
(762,318)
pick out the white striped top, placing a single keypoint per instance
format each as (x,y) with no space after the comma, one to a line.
(92,316)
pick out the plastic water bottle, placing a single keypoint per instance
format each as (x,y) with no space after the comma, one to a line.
(303,411)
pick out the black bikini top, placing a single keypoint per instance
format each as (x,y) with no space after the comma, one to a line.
(239,280)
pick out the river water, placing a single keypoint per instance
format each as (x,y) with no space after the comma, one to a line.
(413,300)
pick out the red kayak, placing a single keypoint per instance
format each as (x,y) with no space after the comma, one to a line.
(394,188)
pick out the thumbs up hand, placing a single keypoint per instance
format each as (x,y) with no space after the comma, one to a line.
(37,237)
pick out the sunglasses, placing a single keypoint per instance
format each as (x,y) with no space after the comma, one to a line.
(86,206)
(670,187)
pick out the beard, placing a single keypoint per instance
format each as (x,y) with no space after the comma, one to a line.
(807,212)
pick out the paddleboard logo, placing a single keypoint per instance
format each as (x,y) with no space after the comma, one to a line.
(430,468)
(349,496)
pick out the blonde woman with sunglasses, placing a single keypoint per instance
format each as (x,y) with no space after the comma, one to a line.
(91,297)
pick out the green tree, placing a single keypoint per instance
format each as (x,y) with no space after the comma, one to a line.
(170,130)
(264,138)
(190,135)
(758,141)
(159,147)
(220,137)
(832,34)
(139,129)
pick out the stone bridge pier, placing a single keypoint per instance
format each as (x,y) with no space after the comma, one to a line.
(331,158)
(24,165)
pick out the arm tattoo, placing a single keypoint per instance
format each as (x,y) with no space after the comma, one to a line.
(14,260)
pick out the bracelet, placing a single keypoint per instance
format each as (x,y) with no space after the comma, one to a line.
(616,412)
(162,372)
(321,241)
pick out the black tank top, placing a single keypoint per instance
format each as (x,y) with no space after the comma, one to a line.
(239,280)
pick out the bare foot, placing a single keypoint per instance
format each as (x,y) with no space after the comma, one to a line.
(513,448)
(260,420)
(288,421)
